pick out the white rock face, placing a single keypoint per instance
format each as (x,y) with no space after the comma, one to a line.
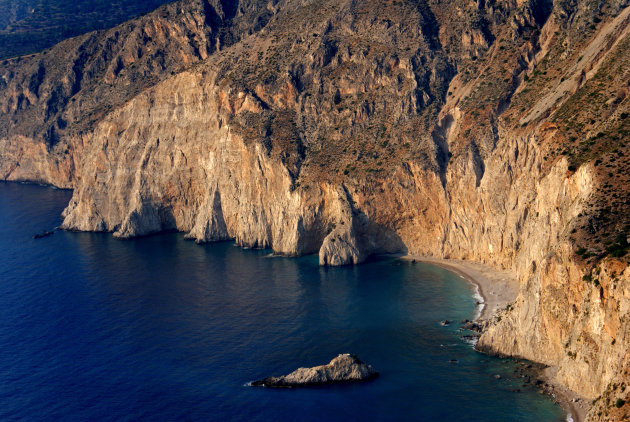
(169,160)
(177,165)
(210,224)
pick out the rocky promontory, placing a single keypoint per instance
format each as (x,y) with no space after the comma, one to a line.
(343,368)
(491,131)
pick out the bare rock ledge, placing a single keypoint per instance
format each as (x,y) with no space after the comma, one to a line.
(343,368)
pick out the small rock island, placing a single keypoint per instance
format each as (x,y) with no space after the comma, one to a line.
(344,368)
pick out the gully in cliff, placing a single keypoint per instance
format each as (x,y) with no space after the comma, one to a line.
(343,368)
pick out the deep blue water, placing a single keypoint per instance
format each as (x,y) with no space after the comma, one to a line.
(94,328)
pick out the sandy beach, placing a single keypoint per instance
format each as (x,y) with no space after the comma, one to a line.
(498,288)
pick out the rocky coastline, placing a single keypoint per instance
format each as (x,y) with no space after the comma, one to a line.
(357,128)
(503,288)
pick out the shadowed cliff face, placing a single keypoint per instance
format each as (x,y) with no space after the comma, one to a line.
(495,132)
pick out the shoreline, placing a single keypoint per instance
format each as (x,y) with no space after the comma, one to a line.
(497,289)
(576,406)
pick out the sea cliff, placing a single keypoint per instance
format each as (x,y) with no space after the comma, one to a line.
(495,132)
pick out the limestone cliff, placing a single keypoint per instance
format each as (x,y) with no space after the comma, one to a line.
(494,131)
(50,100)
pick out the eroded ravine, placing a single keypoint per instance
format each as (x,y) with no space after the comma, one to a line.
(304,138)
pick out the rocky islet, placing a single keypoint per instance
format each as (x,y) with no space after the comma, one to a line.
(452,130)
(344,368)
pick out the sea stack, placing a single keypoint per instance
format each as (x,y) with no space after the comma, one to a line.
(344,368)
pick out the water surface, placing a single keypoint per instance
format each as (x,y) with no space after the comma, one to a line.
(158,328)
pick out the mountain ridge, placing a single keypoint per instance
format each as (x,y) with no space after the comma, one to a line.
(30,26)
(494,131)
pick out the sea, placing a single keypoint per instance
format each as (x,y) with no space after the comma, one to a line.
(160,329)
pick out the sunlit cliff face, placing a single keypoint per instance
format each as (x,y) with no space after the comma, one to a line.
(494,132)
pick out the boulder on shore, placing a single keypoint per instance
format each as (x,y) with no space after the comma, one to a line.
(343,368)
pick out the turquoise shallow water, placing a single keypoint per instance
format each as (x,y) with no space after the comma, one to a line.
(158,328)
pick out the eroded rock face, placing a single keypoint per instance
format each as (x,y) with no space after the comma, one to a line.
(352,128)
(343,368)
(48,101)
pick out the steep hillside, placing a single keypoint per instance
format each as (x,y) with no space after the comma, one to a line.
(29,26)
(494,131)
(49,98)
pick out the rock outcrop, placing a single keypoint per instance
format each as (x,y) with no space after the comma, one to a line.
(50,100)
(343,368)
(493,131)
